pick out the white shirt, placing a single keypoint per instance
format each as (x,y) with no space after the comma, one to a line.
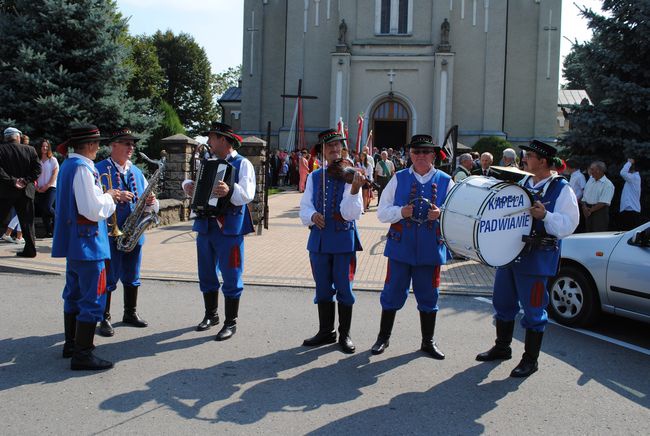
(577,182)
(368,170)
(631,195)
(123,170)
(243,191)
(47,169)
(380,171)
(565,216)
(351,205)
(387,212)
(91,201)
(598,191)
(371,160)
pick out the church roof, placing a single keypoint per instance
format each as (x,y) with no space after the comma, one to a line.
(568,97)
(232,94)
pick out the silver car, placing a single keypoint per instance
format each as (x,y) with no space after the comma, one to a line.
(608,271)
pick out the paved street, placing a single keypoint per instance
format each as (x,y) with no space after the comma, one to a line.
(170,379)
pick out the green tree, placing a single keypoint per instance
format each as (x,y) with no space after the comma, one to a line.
(63,61)
(615,63)
(169,125)
(572,69)
(188,79)
(148,78)
(492,144)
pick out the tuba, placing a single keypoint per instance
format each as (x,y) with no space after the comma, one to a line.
(140,220)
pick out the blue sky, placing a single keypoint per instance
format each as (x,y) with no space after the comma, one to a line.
(217,24)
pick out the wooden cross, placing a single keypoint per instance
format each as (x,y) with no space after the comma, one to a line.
(298,95)
(252,31)
(550,28)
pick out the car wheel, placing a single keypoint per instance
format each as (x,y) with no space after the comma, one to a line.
(572,298)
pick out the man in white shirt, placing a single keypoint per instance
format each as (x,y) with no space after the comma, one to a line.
(577,182)
(81,236)
(384,170)
(630,211)
(523,282)
(596,198)
(220,239)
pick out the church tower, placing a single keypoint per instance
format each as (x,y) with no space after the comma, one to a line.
(409,66)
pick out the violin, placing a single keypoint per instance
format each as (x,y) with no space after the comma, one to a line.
(343,170)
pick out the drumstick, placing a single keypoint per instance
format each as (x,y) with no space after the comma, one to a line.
(523,210)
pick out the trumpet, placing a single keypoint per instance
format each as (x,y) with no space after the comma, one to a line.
(115,230)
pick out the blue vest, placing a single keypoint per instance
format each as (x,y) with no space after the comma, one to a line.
(237,220)
(124,183)
(76,237)
(412,243)
(338,236)
(543,261)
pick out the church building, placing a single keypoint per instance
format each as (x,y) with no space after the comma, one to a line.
(406,66)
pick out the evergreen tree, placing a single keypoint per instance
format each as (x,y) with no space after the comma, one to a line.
(573,71)
(169,125)
(188,79)
(615,67)
(64,61)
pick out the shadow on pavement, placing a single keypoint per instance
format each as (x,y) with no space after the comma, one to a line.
(451,407)
(37,359)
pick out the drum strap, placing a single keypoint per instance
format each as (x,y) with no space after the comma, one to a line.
(524,184)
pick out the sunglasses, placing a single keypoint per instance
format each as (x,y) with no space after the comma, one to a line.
(422,151)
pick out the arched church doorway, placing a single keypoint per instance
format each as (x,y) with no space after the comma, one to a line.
(390,124)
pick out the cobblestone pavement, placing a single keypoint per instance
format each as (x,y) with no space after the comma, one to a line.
(276,257)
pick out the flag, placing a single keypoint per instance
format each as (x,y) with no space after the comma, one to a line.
(359,131)
(300,128)
(342,130)
(369,142)
(291,138)
(449,148)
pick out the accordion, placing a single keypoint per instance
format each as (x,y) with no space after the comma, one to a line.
(209,174)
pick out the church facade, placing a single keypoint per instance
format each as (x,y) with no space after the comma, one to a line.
(408,66)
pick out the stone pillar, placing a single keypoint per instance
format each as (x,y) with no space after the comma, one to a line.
(179,150)
(443,86)
(254,149)
(340,85)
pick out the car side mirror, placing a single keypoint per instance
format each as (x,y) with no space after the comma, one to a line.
(641,239)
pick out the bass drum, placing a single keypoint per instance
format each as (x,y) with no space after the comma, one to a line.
(484,219)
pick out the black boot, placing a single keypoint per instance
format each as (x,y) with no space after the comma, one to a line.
(528,364)
(385,329)
(326,333)
(105,327)
(70,327)
(345,321)
(428,325)
(211,302)
(131,317)
(501,349)
(230,324)
(83,357)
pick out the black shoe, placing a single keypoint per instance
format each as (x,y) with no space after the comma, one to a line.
(131,316)
(528,363)
(326,333)
(70,327)
(211,302)
(83,357)
(428,325)
(345,322)
(230,324)
(385,329)
(105,327)
(23,254)
(501,350)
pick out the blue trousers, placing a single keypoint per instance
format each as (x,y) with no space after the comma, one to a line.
(334,275)
(85,289)
(123,266)
(218,252)
(514,289)
(426,282)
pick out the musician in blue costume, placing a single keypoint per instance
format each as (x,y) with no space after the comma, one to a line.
(130,183)
(220,240)
(523,283)
(329,207)
(411,204)
(80,235)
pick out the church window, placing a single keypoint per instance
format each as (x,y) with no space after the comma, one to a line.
(393,17)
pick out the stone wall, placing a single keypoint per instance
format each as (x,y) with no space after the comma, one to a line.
(254,149)
(179,150)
